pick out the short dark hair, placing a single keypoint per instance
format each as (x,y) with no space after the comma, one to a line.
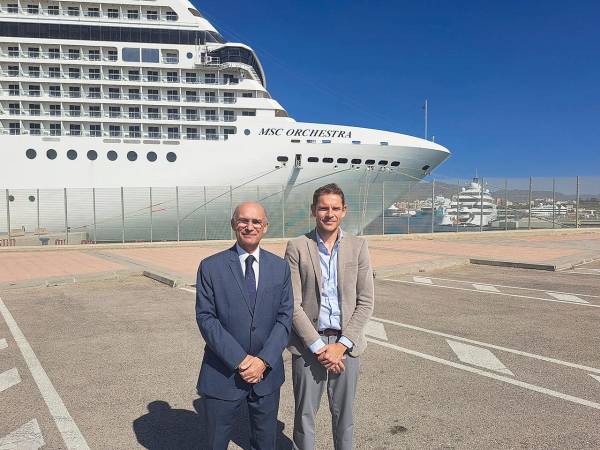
(330,188)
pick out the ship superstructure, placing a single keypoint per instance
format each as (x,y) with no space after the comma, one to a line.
(148,93)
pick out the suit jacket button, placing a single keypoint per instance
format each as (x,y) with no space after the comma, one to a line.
(253,328)
(315,320)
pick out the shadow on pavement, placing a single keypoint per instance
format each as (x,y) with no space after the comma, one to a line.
(165,428)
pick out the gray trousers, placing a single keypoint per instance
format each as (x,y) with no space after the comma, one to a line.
(309,380)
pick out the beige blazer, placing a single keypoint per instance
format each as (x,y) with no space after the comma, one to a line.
(355,288)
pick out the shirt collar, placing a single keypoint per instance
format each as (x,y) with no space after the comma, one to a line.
(321,243)
(243,254)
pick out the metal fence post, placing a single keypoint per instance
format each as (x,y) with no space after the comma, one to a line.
(432,203)
(230,209)
(383,207)
(505,204)
(8,214)
(408,219)
(553,202)
(457,204)
(577,205)
(283,211)
(122,216)
(37,196)
(151,217)
(481,207)
(205,217)
(177,208)
(94,213)
(66,218)
(529,215)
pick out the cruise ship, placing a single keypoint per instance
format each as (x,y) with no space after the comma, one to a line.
(473,206)
(126,95)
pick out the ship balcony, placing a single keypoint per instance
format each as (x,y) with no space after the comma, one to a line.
(126,15)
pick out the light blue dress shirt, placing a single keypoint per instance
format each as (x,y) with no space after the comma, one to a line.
(330,314)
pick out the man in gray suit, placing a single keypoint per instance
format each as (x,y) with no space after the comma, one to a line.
(332,280)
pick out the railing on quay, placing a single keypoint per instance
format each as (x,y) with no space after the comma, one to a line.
(183,213)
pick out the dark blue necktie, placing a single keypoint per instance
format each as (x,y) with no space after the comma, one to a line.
(250,281)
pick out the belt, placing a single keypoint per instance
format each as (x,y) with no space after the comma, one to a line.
(330,332)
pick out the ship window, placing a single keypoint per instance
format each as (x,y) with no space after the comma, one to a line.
(282,158)
(11,198)
(12,8)
(195,12)
(33,9)
(151,156)
(112,155)
(113,13)
(133,14)
(92,155)
(152,15)
(356,142)
(326,141)
(150,55)
(131,54)
(31,198)
(73,10)
(295,141)
(72,155)
(395,163)
(383,162)
(31,153)
(171,15)
(383,143)
(171,157)
(51,154)
(327,160)
(311,141)
(93,12)
(342,160)
(131,156)
(425,167)
(370,162)
(313,159)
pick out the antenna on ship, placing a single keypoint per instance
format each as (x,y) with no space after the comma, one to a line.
(425,107)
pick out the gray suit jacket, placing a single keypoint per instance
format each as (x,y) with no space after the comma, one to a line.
(355,288)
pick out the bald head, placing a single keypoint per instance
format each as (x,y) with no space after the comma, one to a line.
(250,207)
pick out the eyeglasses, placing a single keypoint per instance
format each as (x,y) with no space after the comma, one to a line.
(256,223)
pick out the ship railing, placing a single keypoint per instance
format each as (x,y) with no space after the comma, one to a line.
(140,16)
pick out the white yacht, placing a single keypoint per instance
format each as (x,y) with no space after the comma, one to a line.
(549,210)
(473,206)
(107,96)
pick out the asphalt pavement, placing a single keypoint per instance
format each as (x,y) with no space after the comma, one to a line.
(472,357)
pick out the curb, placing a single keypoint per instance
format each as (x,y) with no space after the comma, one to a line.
(514,264)
(171,282)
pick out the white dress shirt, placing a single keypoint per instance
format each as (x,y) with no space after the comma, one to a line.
(243,254)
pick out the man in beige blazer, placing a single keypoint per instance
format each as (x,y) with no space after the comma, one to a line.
(332,281)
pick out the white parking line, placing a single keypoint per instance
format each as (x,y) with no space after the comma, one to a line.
(64,422)
(27,437)
(9,379)
(423,280)
(3,344)
(513,287)
(477,356)
(496,347)
(495,293)
(529,386)
(567,297)
(486,287)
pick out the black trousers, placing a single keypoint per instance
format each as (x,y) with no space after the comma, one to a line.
(262,412)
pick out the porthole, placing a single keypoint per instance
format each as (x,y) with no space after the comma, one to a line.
(151,156)
(247,132)
(31,153)
(92,155)
(295,141)
(383,162)
(327,160)
(112,155)
(383,143)
(72,155)
(11,198)
(425,167)
(171,157)
(51,153)
(356,161)
(370,162)
(131,156)
(282,158)
(31,198)
(313,159)
(356,142)
(190,55)
(395,163)
(342,160)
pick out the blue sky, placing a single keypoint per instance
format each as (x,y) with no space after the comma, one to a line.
(513,86)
